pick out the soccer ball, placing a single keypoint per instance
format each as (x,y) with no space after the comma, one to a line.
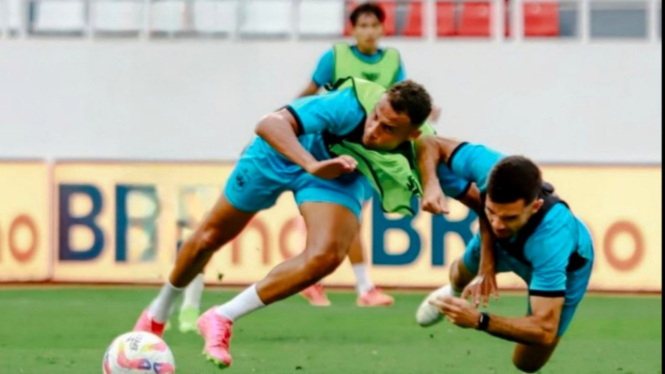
(138,353)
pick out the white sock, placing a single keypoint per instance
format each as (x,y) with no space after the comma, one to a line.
(160,309)
(446,290)
(363,283)
(449,290)
(193,293)
(244,303)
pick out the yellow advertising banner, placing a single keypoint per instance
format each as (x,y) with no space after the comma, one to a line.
(118,222)
(622,207)
(24,221)
(121,222)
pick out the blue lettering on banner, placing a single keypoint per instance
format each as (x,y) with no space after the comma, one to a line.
(67,221)
(441,226)
(381,225)
(125,220)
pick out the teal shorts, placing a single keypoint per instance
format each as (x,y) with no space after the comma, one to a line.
(257,181)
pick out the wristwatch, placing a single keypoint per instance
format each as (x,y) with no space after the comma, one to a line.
(483,321)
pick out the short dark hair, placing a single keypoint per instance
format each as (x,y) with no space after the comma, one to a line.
(514,178)
(367,8)
(411,98)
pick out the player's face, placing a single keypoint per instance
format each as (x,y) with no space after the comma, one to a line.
(367,31)
(386,129)
(507,219)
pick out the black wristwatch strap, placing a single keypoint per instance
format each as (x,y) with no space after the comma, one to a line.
(483,322)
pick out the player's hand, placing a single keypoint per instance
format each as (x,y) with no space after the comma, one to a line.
(481,289)
(333,168)
(434,201)
(458,311)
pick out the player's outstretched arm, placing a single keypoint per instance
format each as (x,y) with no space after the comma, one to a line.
(539,328)
(429,157)
(431,151)
(485,284)
(280,130)
(447,147)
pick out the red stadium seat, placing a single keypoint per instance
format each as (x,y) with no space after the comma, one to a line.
(506,18)
(445,18)
(541,19)
(475,19)
(389,25)
(414,19)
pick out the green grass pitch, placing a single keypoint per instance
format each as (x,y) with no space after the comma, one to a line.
(66,330)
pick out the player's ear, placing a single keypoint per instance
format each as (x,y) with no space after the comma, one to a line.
(537,205)
(415,134)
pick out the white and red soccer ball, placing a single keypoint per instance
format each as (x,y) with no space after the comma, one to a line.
(138,353)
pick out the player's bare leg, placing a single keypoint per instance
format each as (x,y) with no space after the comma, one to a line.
(368,294)
(531,358)
(460,277)
(330,231)
(221,225)
(330,228)
(316,293)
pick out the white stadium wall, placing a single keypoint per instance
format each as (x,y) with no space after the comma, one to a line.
(559,102)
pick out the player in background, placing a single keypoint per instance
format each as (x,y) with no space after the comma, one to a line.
(193,204)
(367,60)
(304,148)
(534,234)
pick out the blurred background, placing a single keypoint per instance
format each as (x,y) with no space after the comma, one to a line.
(120,121)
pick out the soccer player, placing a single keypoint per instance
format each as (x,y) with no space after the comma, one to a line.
(363,60)
(298,149)
(534,234)
(366,60)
